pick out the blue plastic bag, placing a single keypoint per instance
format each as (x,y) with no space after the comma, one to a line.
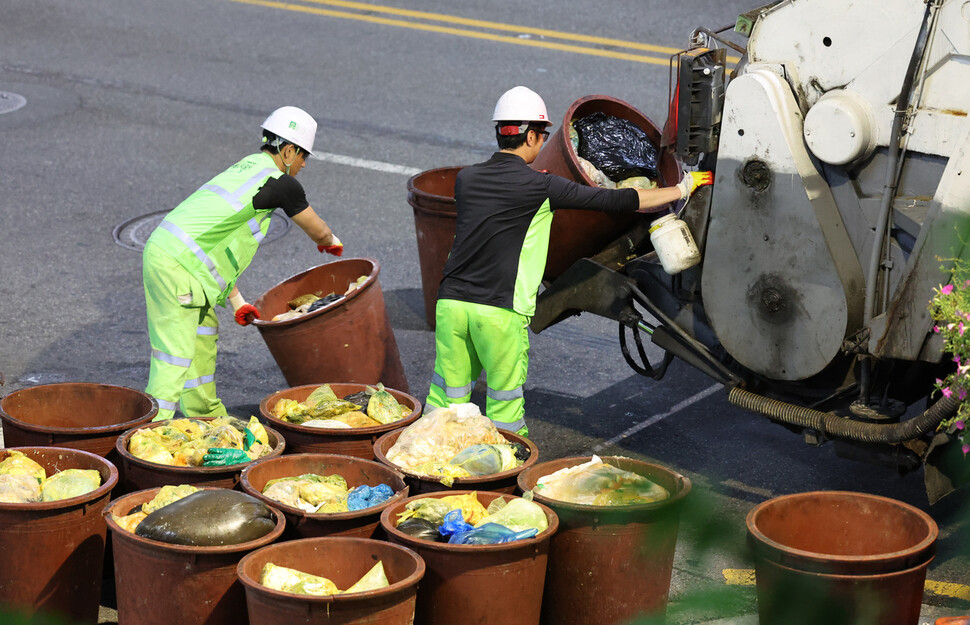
(365,496)
(454,523)
(490,534)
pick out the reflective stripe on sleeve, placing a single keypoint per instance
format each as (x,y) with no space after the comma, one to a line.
(170,359)
(233,198)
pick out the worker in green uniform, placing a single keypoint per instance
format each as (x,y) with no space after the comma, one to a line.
(193,258)
(491,278)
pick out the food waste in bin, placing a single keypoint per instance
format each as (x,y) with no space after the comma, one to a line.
(22,480)
(311,302)
(371,407)
(614,152)
(455,442)
(196,443)
(463,520)
(297,582)
(325,494)
(597,483)
(186,515)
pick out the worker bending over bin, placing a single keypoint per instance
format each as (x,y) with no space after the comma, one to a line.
(193,258)
(491,278)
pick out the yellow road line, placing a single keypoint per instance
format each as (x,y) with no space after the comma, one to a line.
(374,19)
(746,577)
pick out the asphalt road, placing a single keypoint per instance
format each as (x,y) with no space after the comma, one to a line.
(128,106)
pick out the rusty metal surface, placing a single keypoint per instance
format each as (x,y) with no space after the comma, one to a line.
(357,471)
(618,558)
(342,560)
(350,339)
(358,442)
(53,552)
(482,584)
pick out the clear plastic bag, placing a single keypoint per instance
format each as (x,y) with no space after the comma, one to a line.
(297,582)
(19,488)
(517,515)
(70,483)
(441,434)
(485,459)
(372,580)
(600,484)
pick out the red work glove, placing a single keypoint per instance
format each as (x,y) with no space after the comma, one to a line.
(245,313)
(336,247)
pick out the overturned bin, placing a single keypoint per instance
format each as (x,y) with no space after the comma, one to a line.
(349,339)
(53,551)
(617,558)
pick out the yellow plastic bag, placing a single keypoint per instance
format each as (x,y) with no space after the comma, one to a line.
(168,494)
(599,484)
(445,470)
(70,483)
(290,580)
(19,488)
(472,510)
(372,580)
(289,410)
(16,463)
(517,515)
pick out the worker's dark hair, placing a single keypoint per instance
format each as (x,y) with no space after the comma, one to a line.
(273,144)
(511,142)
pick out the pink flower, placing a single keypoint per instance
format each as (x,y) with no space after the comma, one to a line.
(936,329)
(947,392)
(962,395)
(961,328)
(966,449)
(946,290)
(967,283)
(959,424)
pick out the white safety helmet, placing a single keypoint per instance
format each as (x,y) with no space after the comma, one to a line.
(293,125)
(520,104)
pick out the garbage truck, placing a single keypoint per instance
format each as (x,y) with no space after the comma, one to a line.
(840,147)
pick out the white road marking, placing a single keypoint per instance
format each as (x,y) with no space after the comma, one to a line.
(389,168)
(659,417)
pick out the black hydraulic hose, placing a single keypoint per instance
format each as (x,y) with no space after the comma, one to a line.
(839,427)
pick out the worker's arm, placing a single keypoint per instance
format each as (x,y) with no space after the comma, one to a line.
(315,228)
(661,196)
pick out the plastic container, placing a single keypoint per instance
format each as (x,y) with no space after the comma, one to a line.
(840,558)
(301,524)
(504,482)
(674,244)
(577,234)
(617,558)
(431,195)
(358,442)
(343,561)
(140,474)
(53,552)
(350,339)
(481,584)
(163,584)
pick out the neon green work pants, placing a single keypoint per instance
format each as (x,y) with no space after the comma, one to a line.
(471,337)
(183,330)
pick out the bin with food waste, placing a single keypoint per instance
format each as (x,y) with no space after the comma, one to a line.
(349,338)
(618,524)
(325,494)
(470,567)
(205,451)
(338,418)
(456,447)
(52,534)
(300,582)
(176,549)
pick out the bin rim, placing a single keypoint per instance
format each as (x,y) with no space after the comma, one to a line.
(96,429)
(412,189)
(539,538)
(341,597)
(42,506)
(925,545)
(371,279)
(108,511)
(674,499)
(321,516)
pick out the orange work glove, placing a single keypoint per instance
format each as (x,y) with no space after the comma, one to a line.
(692,180)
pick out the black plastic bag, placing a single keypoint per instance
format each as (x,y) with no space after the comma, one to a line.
(422,529)
(617,147)
(359,399)
(209,518)
(323,301)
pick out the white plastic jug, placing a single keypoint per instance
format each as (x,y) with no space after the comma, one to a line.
(674,244)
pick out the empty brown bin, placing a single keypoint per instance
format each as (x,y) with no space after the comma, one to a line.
(481,584)
(160,583)
(53,552)
(840,558)
(504,482)
(357,471)
(343,561)
(616,558)
(357,442)
(350,339)
(140,474)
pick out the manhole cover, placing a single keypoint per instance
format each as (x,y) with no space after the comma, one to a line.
(10,102)
(133,234)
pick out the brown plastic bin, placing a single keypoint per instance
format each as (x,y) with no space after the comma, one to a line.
(160,583)
(53,552)
(504,482)
(840,558)
(350,339)
(363,523)
(617,558)
(140,474)
(577,234)
(357,442)
(342,560)
(481,584)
